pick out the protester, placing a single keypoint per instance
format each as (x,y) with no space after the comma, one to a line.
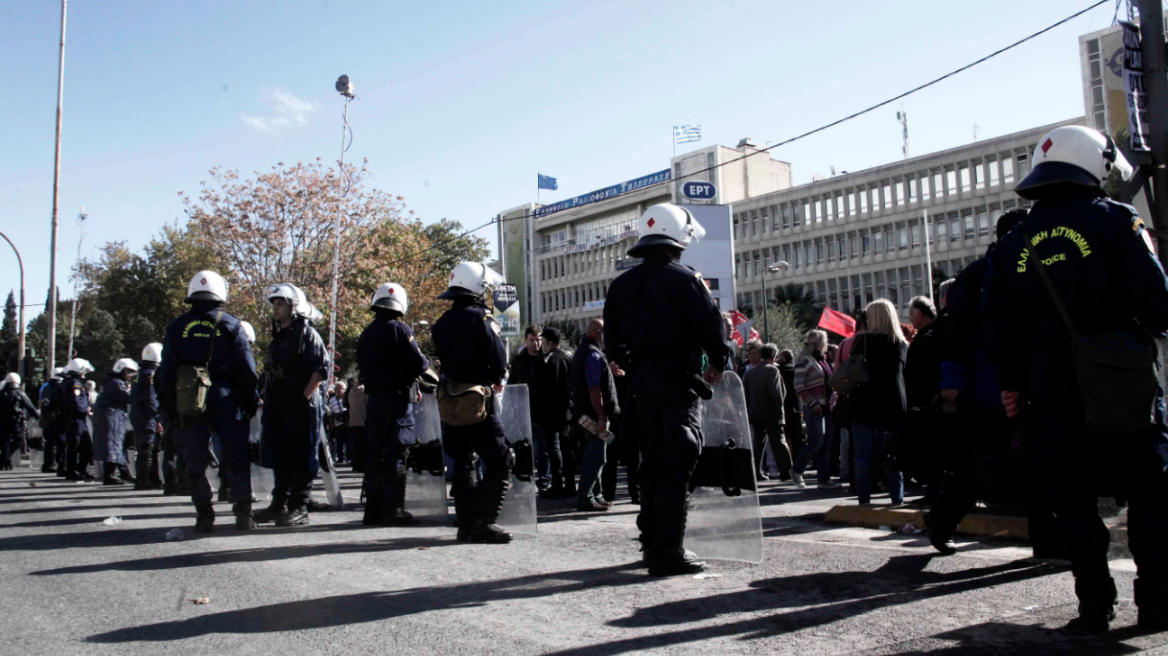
(847,450)
(551,407)
(812,371)
(358,441)
(922,369)
(765,401)
(338,420)
(879,405)
(792,412)
(594,398)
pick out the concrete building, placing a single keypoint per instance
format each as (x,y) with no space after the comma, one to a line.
(856,237)
(562,256)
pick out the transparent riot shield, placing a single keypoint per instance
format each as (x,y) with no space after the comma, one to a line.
(262,478)
(36,447)
(513,407)
(426,467)
(328,470)
(724,519)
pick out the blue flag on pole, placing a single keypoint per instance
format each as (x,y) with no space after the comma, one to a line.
(547,182)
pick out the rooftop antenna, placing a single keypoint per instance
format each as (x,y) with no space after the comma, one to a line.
(81,221)
(975,129)
(902,116)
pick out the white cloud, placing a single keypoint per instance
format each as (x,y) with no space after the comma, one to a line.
(287,111)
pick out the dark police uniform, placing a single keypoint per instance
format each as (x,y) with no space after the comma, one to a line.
(472,353)
(111,420)
(658,318)
(14,403)
(291,422)
(144,415)
(52,428)
(73,410)
(390,362)
(231,400)
(1095,254)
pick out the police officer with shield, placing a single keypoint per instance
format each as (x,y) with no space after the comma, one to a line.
(390,363)
(1070,297)
(73,410)
(659,317)
(297,363)
(473,355)
(207,346)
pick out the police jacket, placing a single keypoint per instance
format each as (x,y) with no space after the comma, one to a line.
(14,407)
(231,364)
(72,401)
(295,354)
(551,393)
(662,312)
(49,404)
(589,356)
(144,399)
(388,355)
(470,350)
(965,364)
(1094,251)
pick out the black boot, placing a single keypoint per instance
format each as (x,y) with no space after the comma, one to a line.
(294,516)
(491,494)
(374,510)
(1097,604)
(555,490)
(672,560)
(224,491)
(205,517)
(109,475)
(243,517)
(169,489)
(1152,600)
(269,514)
(396,514)
(941,541)
(127,477)
(463,516)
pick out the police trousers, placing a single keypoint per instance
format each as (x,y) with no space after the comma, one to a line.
(467,446)
(389,430)
(291,446)
(670,428)
(194,444)
(78,446)
(146,465)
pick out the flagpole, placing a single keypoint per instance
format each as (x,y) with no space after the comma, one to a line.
(673,135)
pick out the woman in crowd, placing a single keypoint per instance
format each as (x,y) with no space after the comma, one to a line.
(812,371)
(878,406)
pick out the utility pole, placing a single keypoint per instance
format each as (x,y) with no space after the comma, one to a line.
(346,90)
(1156,90)
(76,275)
(50,360)
(902,116)
(20,340)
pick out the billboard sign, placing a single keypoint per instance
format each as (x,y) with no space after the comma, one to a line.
(506,300)
(606,193)
(699,190)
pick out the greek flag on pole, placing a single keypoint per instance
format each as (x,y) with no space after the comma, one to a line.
(683,134)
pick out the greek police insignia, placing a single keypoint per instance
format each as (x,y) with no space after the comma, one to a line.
(705,285)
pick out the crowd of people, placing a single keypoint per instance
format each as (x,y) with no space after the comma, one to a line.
(1045,342)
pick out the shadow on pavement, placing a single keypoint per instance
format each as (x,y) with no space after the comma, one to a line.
(344,610)
(1000,637)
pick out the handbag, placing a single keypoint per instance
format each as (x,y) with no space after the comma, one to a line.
(853,372)
(193,381)
(460,404)
(1116,371)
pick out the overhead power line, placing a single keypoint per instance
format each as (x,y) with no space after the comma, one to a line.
(817,130)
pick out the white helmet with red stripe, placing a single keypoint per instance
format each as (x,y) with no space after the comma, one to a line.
(391,296)
(1076,155)
(666,225)
(207,286)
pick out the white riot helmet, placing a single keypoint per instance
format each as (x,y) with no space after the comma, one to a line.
(471,279)
(57,374)
(391,296)
(295,297)
(315,316)
(124,364)
(152,353)
(666,225)
(1073,154)
(79,366)
(12,380)
(207,286)
(249,331)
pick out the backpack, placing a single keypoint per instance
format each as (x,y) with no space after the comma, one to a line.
(193,381)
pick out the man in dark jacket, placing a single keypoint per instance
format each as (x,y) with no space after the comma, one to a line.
(525,369)
(594,397)
(551,403)
(765,401)
(922,368)
(792,409)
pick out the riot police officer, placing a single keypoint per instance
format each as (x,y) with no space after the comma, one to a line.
(144,416)
(659,317)
(15,407)
(474,355)
(390,362)
(296,365)
(72,412)
(203,343)
(111,420)
(51,427)
(1077,276)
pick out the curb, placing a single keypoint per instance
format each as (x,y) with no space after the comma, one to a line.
(875,517)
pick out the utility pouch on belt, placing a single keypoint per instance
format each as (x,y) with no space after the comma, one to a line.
(1116,371)
(193,381)
(461,404)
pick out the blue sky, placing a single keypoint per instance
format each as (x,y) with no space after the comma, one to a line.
(461,103)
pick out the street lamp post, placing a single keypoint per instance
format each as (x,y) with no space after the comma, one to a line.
(20,340)
(766,301)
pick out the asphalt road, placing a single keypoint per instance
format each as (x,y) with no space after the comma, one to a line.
(71,585)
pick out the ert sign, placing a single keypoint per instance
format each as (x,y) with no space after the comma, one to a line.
(699,190)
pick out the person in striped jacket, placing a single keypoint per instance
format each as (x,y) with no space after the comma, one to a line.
(812,371)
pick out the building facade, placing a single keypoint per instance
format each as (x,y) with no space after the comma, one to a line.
(857,237)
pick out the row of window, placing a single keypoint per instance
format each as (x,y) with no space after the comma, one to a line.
(851,293)
(597,260)
(940,184)
(572,298)
(954,227)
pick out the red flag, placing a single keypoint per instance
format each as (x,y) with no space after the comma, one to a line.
(837,322)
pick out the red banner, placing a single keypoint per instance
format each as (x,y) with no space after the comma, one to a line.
(837,322)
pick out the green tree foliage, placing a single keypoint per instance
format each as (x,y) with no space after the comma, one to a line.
(9,338)
(781,327)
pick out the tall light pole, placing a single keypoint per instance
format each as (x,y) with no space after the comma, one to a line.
(77,274)
(346,89)
(20,340)
(50,360)
(766,301)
